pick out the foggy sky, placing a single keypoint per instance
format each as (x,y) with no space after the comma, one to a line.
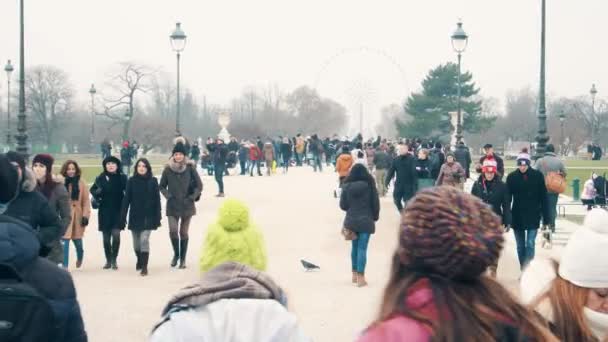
(336,45)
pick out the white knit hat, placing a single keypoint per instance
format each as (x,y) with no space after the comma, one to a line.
(584,261)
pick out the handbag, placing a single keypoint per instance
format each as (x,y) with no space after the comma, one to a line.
(349,235)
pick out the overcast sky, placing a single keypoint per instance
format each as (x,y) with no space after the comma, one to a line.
(339,46)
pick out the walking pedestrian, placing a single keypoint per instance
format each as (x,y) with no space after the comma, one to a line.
(463,157)
(404,169)
(572,294)
(436,160)
(269,157)
(589,193)
(493,191)
(195,153)
(359,199)
(243,157)
(142,202)
(255,156)
(451,173)
(108,192)
(437,290)
(300,149)
(316,149)
(219,153)
(286,153)
(81,211)
(423,170)
(53,190)
(382,162)
(181,185)
(490,154)
(126,157)
(552,168)
(31,207)
(529,204)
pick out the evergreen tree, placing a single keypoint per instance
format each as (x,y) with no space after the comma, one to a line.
(429,110)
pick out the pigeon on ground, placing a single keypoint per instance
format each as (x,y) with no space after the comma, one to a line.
(309,266)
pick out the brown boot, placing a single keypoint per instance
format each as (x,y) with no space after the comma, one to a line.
(355,277)
(361,280)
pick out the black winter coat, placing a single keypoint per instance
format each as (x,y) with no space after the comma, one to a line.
(529,195)
(463,156)
(360,201)
(109,191)
(404,167)
(142,201)
(20,250)
(382,160)
(219,153)
(286,151)
(33,208)
(496,194)
(423,168)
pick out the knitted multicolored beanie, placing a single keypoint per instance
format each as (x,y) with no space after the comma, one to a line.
(449,233)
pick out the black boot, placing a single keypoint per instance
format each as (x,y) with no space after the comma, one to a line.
(144,263)
(183,249)
(139,260)
(175,244)
(107,250)
(115,249)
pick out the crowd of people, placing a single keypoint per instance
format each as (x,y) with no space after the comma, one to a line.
(449,241)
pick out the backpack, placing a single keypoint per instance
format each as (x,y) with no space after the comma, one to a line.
(25,315)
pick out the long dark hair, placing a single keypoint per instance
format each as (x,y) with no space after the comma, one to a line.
(474,307)
(147,164)
(75,193)
(359,173)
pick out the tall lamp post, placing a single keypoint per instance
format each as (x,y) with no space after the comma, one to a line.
(9,70)
(562,119)
(459,44)
(92,91)
(21,123)
(542,138)
(593,93)
(178,42)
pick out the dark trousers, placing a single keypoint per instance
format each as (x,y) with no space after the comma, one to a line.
(219,177)
(400,197)
(111,244)
(243,167)
(552,204)
(253,164)
(317,163)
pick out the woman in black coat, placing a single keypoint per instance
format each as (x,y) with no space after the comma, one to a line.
(286,153)
(108,192)
(423,170)
(359,199)
(494,192)
(142,201)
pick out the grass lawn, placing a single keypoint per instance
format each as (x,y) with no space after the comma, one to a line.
(90,172)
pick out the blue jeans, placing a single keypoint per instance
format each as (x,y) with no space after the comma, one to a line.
(317,163)
(526,241)
(358,252)
(552,205)
(66,251)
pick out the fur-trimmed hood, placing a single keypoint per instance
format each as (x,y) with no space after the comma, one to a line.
(179,167)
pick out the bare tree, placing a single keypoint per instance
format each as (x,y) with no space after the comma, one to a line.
(49,98)
(131,79)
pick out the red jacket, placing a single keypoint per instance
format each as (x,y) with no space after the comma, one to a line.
(255,153)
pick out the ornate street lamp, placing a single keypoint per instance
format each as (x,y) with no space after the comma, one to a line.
(9,70)
(21,123)
(542,138)
(593,93)
(178,42)
(92,92)
(459,44)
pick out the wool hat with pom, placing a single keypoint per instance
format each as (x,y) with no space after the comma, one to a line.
(584,261)
(449,233)
(233,238)
(489,166)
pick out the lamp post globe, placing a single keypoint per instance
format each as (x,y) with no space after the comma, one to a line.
(178,42)
(460,41)
(9,70)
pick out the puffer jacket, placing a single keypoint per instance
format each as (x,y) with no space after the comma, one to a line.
(344,164)
(19,249)
(360,201)
(451,174)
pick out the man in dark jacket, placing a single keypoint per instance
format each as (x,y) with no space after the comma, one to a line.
(219,153)
(529,194)
(382,163)
(500,164)
(243,157)
(436,160)
(463,156)
(404,167)
(316,148)
(195,154)
(492,191)
(31,207)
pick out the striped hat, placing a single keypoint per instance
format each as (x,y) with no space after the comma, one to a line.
(489,166)
(449,233)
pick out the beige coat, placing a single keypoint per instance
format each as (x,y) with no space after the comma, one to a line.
(80,208)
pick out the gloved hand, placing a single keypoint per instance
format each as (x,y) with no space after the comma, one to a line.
(85,221)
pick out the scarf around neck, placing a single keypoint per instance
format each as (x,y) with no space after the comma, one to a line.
(75,182)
